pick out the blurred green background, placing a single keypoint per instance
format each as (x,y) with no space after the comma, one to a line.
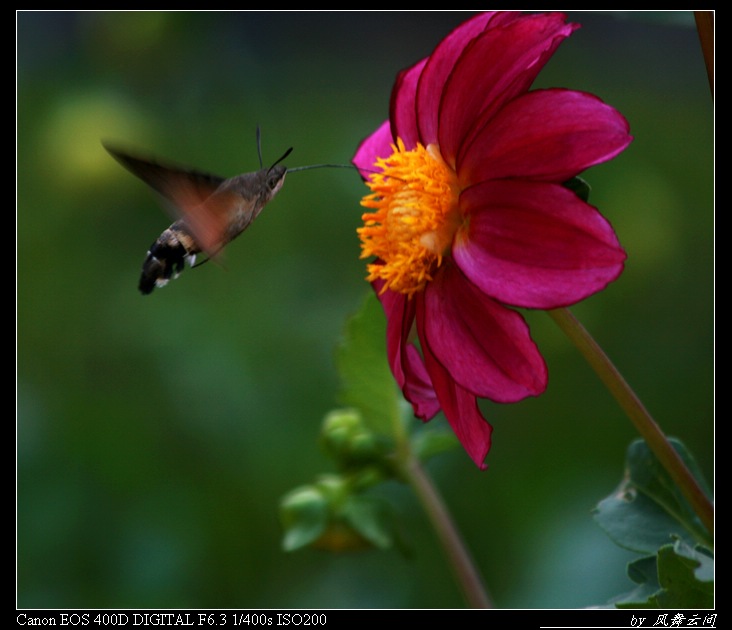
(155,435)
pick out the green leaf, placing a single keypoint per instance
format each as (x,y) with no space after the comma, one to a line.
(648,513)
(372,518)
(678,577)
(367,381)
(678,567)
(643,572)
(579,187)
(647,510)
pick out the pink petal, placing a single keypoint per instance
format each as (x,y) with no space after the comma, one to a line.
(418,389)
(440,64)
(404,359)
(498,65)
(378,144)
(550,135)
(484,346)
(398,323)
(535,245)
(458,404)
(402,110)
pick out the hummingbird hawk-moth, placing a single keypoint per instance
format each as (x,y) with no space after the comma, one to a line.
(211,211)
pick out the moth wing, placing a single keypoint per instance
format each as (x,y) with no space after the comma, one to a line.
(187,194)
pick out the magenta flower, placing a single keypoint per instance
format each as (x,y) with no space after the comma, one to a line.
(469,215)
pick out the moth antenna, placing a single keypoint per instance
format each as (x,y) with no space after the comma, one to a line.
(280,160)
(259,146)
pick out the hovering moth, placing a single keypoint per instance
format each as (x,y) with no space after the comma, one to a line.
(211,211)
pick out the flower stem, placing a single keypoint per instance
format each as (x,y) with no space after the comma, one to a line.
(705,28)
(457,553)
(639,416)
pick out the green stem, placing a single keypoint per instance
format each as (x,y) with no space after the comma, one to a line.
(639,416)
(457,553)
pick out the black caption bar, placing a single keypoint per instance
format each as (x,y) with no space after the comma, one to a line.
(316,619)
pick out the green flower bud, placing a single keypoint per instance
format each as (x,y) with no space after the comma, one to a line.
(304,513)
(349,441)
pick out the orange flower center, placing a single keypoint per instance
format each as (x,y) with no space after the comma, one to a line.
(414,217)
